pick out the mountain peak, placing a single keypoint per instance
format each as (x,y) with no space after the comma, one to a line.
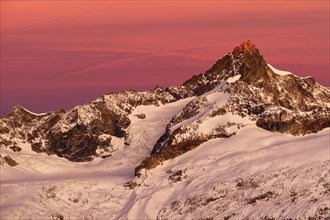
(246,46)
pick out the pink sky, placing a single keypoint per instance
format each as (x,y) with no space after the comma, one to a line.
(57,54)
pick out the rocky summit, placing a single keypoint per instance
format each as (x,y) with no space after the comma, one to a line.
(243,140)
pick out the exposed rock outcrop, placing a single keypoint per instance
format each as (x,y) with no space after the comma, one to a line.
(8,160)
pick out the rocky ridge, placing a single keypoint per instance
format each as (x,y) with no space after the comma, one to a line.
(238,90)
(76,134)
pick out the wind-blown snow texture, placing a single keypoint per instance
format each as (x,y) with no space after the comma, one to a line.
(241,141)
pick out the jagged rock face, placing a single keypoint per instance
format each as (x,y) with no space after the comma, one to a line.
(278,103)
(295,123)
(26,127)
(76,134)
(77,144)
(198,85)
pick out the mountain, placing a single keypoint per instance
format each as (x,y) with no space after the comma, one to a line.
(234,135)
(282,103)
(247,91)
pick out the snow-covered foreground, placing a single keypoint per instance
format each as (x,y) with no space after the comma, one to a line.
(254,174)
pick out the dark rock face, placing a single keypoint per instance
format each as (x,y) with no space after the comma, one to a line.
(294,124)
(76,137)
(15,148)
(8,160)
(25,126)
(141,116)
(77,144)
(169,152)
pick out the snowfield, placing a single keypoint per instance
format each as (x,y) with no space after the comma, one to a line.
(255,174)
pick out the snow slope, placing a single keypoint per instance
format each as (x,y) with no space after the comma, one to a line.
(279,72)
(253,174)
(208,184)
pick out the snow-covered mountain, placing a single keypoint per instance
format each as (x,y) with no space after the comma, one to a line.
(247,92)
(242,140)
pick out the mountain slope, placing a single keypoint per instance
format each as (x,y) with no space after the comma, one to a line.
(254,93)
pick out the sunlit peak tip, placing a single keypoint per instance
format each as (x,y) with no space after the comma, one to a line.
(246,46)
